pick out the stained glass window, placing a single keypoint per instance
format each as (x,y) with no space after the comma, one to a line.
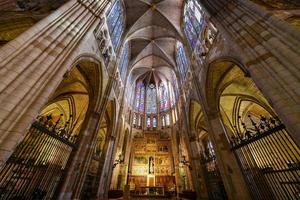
(181,60)
(140,120)
(175,87)
(134,119)
(172,95)
(167,119)
(123,63)
(115,23)
(151,98)
(148,122)
(154,122)
(142,99)
(164,97)
(140,96)
(193,21)
(163,121)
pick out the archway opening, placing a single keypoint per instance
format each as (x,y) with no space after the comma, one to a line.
(36,167)
(254,132)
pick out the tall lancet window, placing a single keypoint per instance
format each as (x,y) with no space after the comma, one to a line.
(154,122)
(140,96)
(164,97)
(115,23)
(142,102)
(151,99)
(193,21)
(123,63)
(181,60)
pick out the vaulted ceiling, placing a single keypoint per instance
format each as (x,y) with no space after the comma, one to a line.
(153,27)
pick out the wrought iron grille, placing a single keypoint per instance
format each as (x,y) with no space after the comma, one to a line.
(35,168)
(214,183)
(269,159)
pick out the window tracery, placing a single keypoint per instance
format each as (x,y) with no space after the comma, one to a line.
(140,96)
(164,97)
(181,60)
(151,99)
(193,21)
(123,63)
(153,103)
(115,23)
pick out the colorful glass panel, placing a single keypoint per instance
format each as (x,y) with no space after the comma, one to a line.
(181,60)
(115,23)
(151,99)
(123,63)
(154,122)
(142,99)
(140,96)
(164,97)
(193,21)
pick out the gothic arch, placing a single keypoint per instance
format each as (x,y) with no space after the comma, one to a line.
(97,68)
(219,74)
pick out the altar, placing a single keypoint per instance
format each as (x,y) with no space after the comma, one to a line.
(151,166)
(149,191)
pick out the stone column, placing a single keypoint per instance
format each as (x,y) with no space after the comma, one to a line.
(270,49)
(195,159)
(107,170)
(81,161)
(175,155)
(231,174)
(74,180)
(189,135)
(32,66)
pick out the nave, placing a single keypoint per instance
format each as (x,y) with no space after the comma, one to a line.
(149,99)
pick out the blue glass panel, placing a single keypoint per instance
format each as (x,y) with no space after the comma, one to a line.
(138,95)
(151,99)
(115,23)
(142,99)
(123,63)
(164,97)
(181,60)
(193,21)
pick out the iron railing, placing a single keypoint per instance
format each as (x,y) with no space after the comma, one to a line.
(213,179)
(269,159)
(36,167)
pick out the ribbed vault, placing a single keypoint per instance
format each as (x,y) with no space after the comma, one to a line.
(153,28)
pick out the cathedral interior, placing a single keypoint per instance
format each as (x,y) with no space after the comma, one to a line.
(149,99)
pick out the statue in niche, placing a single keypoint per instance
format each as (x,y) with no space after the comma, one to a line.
(151,165)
